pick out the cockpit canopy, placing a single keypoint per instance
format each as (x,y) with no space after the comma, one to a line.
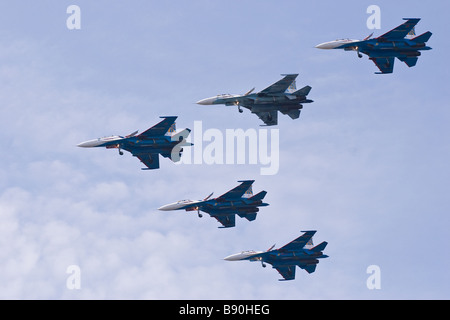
(225,95)
(184,201)
(110,138)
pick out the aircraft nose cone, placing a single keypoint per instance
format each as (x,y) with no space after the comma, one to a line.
(233,257)
(206,102)
(329,45)
(88,144)
(169,207)
(322,46)
(165,207)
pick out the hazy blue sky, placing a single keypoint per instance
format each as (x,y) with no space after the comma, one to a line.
(366,165)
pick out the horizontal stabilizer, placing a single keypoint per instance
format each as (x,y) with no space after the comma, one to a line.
(287,272)
(410,61)
(250,216)
(227,221)
(423,37)
(303,91)
(151,160)
(293,113)
(270,118)
(310,268)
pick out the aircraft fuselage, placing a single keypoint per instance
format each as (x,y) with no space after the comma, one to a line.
(402,47)
(256,100)
(243,206)
(156,144)
(392,48)
(278,258)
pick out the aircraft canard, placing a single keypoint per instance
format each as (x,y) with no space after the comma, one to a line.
(400,43)
(281,96)
(161,139)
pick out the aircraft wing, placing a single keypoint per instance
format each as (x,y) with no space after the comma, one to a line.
(287,272)
(151,160)
(238,191)
(280,86)
(385,64)
(310,268)
(228,221)
(270,118)
(160,129)
(401,31)
(300,242)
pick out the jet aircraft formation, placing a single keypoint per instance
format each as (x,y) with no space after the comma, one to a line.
(163,139)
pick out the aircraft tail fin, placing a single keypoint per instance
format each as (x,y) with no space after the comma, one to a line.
(248,193)
(303,91)
(259,196)
(172,130)
(411,34)
(310,244)
(320,247)
(423,37)
(292,88)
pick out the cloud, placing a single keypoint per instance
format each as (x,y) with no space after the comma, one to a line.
(365,165)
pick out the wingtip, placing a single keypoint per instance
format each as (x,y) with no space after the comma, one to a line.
(290,74)
(168,117)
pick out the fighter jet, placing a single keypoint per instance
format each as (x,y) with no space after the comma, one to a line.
(399,43)
(159,139)
(281,96)
(299,252)
(239,200)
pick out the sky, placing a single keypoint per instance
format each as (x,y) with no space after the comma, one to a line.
(366,164)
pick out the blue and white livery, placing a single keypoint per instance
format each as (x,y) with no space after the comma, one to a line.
(161,139)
